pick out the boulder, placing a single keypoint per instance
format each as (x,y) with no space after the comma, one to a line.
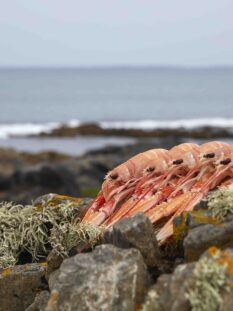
(202,237)
(137,232)
(109,278)
(19,286)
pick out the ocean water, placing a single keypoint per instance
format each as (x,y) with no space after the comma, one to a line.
(34,100)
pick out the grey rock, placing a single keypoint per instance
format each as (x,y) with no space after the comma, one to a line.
(201,238)
(168,292)
(54,261)
(135,232)
(157,297)
(108,279)
(19,286)
(40,302)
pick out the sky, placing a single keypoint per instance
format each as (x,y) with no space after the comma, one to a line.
(116,32)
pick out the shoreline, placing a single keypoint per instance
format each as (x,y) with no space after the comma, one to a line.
(94,129)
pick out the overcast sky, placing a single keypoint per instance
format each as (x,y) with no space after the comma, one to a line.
(116,32)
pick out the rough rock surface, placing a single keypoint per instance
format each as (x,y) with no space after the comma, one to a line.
(19,286)
(40,302)
(201,238)
(109,278)
(203,279)
(135,232)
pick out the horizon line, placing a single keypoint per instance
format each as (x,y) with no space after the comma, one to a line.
(119,66)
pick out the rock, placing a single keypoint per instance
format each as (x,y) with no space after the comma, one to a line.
(201,238)
(95,129)
(109,278)
(29,183)
(40,301)
(203,285)
(19,286)
(135,232)
(157,297)
(167,293)
(54,261)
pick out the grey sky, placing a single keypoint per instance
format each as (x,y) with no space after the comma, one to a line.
(113,32)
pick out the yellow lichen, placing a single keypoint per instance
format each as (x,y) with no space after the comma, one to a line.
(52,303)
(6,272)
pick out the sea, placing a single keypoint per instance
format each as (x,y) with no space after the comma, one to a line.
(33,100)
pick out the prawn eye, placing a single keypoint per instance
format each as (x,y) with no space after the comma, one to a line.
(210,155)
(179,161)
(114,176)
(150,169)
(226,161)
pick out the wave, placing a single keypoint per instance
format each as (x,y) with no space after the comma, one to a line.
(170,124)
(25,129)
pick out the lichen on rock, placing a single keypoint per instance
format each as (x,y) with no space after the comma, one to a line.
(220,202)
(38,229)
(210,280)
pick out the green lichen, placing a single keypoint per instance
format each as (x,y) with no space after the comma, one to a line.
(220,202)
(38,229)
(210,280)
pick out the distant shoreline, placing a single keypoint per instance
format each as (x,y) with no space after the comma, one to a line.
(94,129)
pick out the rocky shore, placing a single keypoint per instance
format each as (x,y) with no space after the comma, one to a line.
(116,269)
(87,129)
(49,261)
(25,176)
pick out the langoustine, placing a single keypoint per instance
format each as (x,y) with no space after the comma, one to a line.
(162,184)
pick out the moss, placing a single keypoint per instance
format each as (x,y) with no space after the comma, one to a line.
(210,280)
(37,230)
(220,202)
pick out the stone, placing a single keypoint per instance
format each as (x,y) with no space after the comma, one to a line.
(168,292)
(201,238)
(137,232)
(19,286)
(109,278)
(40,302)
(54,260)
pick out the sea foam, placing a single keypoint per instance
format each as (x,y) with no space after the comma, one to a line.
(25,129)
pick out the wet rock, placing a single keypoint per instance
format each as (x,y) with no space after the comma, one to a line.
(109,278)
(135,232)
(19,286)
(40,301)
(201,238)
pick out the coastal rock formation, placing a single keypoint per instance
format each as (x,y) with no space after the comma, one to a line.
(109,278)
(96,130)
(25,176)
